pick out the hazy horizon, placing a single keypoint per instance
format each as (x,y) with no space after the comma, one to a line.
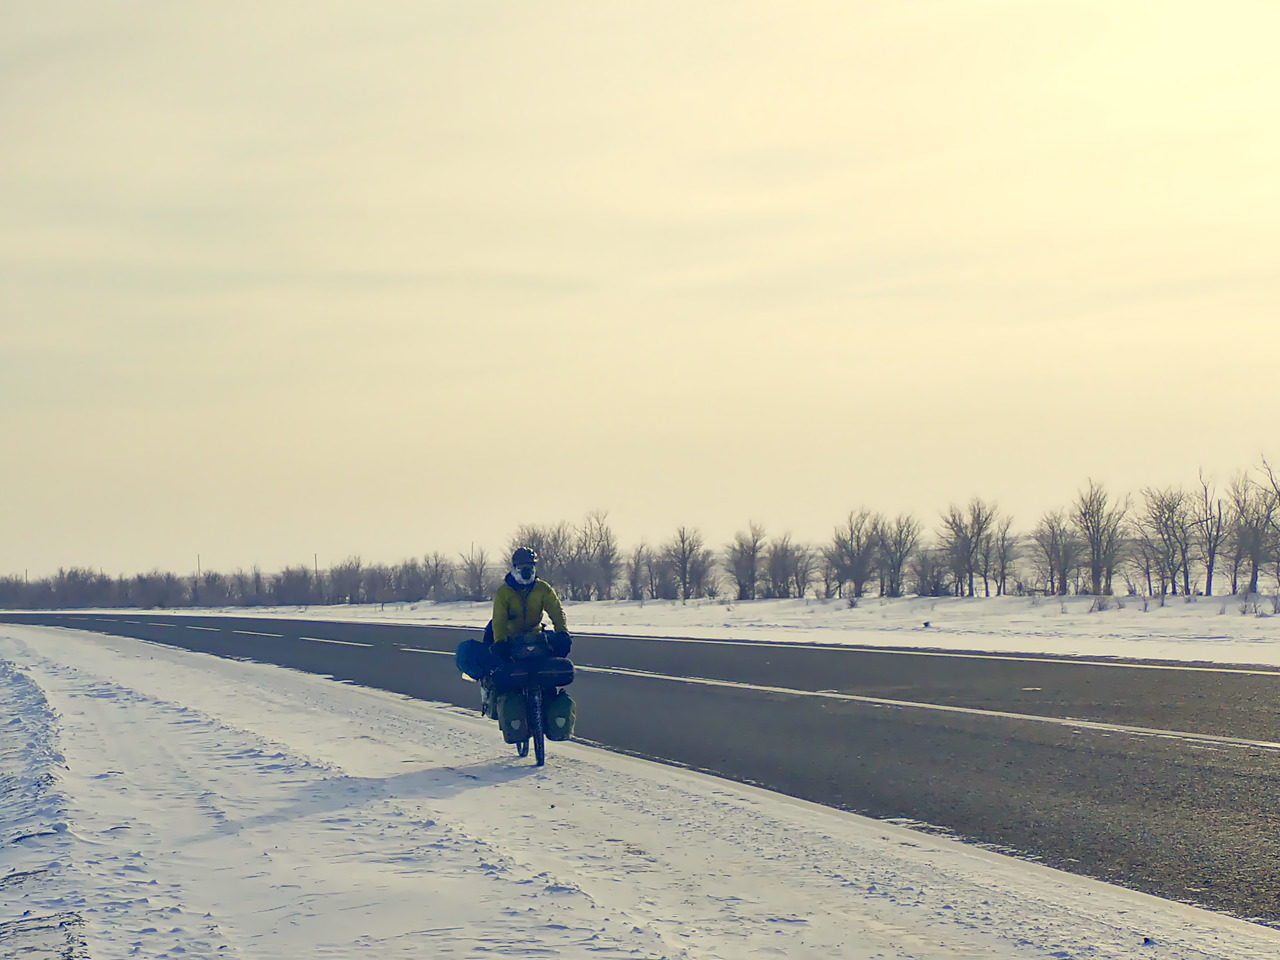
(400,277)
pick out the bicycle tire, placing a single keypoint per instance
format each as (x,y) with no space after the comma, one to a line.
(522,748)
(536,725)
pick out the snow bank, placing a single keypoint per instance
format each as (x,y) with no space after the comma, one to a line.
(36,917)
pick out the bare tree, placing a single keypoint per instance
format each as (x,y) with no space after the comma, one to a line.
(964,532)
(781,559)
(828,572)
(438,572)
(999,552)
(854,550)
(215,589)
(345,580)
(1101,524)
(742,560)
(156,589)
(1144,558)
(1059,548)
(804,568)
(691,562)
(658,570)
(1166,523)
(636,572)
(294,586)
(896,539)
(1253,509)
(473,573)
(929,569)
(575,571)
(80,587)
(409,581)
(377,584)
(606,557)
(1210,523)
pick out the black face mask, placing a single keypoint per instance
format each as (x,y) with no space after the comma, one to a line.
(525,573)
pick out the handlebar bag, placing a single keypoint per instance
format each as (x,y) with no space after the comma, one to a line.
(528,646)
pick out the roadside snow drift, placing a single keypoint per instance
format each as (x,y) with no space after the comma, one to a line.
(159,803)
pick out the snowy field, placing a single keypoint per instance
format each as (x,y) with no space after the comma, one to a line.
(171,804)
(1212,629)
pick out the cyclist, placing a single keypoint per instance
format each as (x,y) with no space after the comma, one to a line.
(518,607)
(522,599)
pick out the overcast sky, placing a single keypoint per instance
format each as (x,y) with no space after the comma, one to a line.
(384,278)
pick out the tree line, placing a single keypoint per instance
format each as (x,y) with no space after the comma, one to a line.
(1159,542)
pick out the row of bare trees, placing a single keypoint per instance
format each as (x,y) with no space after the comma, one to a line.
(1171,541)
(351,581)
(1164,541)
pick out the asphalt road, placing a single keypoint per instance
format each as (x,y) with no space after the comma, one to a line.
(1160,778)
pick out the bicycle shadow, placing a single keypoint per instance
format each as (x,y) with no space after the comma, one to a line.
(347,793)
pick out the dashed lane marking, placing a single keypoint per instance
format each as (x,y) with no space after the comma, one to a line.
(944,708)
(345,643)
(255,633)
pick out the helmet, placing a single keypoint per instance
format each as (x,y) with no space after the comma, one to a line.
(524,556)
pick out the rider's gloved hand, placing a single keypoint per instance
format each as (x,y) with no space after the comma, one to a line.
(561,643)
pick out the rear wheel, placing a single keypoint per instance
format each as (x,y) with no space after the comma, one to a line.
(522,748)
(535,726)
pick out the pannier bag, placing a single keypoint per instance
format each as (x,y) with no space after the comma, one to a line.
(511,717)
(559,715)
(475,660)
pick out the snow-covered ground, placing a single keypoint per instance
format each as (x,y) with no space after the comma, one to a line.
(181,805)
(1213,629)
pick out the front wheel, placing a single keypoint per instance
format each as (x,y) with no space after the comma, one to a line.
(536,727)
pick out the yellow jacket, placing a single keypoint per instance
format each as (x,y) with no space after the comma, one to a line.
(518,611)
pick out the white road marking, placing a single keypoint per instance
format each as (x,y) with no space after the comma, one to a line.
(255,633)
(782,644)
(345,643)
(439,653)
(1012,658)
(943,708)
(210,629)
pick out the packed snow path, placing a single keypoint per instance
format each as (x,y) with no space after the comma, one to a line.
(219,808)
